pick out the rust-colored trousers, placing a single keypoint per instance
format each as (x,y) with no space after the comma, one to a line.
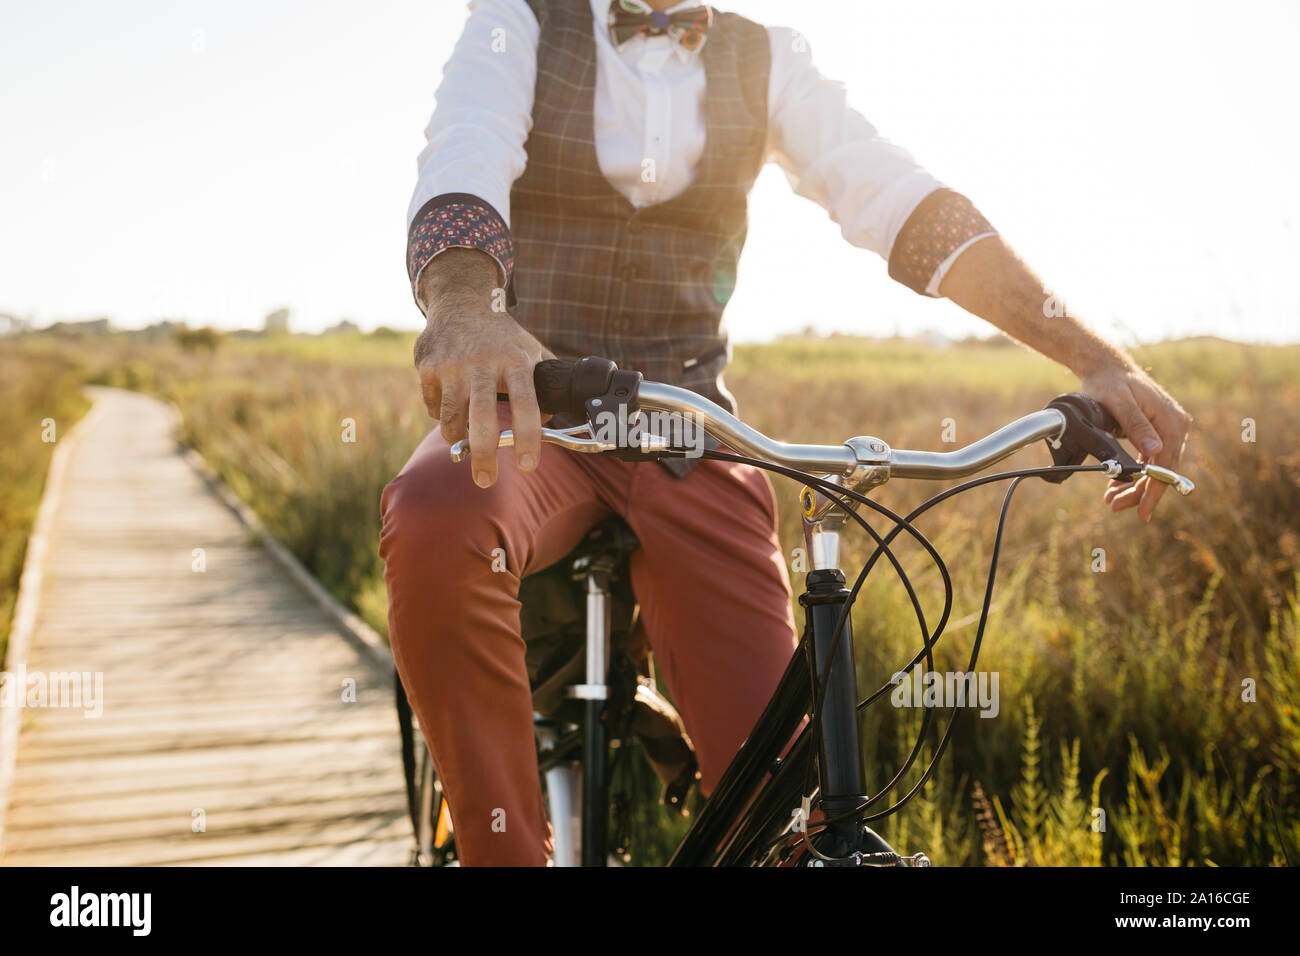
(709,576)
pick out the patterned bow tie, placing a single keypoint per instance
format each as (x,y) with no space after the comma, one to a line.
(629,18)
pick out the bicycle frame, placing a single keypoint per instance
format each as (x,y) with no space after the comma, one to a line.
(758,798)
(745,814)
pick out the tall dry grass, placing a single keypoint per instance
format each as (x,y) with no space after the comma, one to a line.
(41,398)
(1121,691)
(1129,682)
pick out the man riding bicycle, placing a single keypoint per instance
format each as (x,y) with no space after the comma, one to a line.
(583,191)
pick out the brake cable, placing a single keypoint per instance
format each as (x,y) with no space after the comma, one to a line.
(1018,476)
(833,493)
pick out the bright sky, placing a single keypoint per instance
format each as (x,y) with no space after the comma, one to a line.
(214,160)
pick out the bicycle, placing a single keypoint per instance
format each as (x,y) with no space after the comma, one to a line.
(763,810)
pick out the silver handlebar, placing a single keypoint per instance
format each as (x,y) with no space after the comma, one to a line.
(717,422)
(859,461)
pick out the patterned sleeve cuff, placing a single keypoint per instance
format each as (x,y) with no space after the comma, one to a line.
(458,221)
(942,225)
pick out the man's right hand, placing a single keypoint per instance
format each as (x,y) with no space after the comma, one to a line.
(468,353)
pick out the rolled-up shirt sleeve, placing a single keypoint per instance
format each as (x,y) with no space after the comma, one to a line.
(474,148)
(879,195)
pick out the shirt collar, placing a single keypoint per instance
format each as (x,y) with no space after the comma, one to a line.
(600,10)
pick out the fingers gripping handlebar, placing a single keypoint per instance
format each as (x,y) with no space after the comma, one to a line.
(1089,430)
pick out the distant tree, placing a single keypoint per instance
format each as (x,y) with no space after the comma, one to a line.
(158,331)
(80,329)
(191,340)
(277,322)
(384,332)
(343,327)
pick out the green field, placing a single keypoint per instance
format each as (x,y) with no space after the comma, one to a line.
(1120,690)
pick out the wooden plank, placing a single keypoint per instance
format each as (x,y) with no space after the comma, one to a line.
(311,814)
(78,808)
(373,852)
(184,847)
(298,762)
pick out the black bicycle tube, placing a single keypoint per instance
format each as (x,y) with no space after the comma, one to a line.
(772,811)
(595,808)
(757,758)
(839,765)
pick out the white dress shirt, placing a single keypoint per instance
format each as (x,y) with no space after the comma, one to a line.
(649,114)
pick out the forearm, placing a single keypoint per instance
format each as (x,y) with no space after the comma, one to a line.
(989,280)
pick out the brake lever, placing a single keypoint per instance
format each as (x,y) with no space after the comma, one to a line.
(1181,483)
(570,438)
(564,437)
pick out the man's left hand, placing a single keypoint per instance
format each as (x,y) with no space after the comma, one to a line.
(1151,419)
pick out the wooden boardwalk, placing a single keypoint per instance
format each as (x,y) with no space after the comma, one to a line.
(225,737)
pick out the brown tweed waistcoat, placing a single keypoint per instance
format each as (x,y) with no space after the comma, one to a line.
(593,274)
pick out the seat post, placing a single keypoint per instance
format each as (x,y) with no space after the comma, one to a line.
(593,692)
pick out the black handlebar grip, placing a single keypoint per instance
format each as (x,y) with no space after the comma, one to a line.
(1090,432)
(1098,416)
(1109,422)
(563,387)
